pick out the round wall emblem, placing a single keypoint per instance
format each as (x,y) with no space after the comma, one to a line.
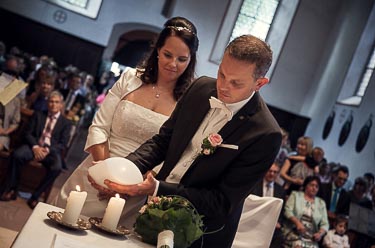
(60,16)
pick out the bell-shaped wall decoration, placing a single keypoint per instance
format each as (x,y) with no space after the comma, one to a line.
(345,130)
(363,135)
(328,125)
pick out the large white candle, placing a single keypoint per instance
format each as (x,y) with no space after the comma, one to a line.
(113,212)
(74,206)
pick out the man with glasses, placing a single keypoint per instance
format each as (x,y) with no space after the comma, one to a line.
(336,197)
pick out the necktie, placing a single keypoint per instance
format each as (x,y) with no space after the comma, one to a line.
(333,204)
(70,100)
(268,190)
(216,103)
(46,135)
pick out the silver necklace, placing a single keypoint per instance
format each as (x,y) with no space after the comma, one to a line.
(157,93)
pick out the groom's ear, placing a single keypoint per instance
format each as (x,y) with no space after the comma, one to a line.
(260,82)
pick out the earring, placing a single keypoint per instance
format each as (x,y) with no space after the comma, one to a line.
(157,56)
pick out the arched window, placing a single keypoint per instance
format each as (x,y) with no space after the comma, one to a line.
(361,69)
(266,19)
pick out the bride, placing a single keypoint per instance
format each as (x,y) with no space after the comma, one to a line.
(134,109)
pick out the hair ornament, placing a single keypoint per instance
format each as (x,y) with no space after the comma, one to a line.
(181,29)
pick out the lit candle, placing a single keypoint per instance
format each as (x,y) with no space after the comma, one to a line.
(74,206)
(113,212)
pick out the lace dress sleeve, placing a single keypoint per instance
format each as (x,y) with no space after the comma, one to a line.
(100,128)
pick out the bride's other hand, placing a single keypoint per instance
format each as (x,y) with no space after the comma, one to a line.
(102,190)
(95,162)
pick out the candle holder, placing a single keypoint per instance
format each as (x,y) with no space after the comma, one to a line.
(97,222)
(58,216)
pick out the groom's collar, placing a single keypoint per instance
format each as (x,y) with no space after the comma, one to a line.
(235,107)
(247,106)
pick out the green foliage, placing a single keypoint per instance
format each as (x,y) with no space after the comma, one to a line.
(173,213)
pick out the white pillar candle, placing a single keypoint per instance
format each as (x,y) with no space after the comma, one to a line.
(113,212)
(74,206)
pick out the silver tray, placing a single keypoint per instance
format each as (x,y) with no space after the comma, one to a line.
(97,222)
(80,225)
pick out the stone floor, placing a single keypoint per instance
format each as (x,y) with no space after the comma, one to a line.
(14,214)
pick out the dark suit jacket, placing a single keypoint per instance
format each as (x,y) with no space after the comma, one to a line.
(60,133)
(78,100)
(343,203)
(278,190)
(216,184)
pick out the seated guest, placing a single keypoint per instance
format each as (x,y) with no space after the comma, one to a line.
(372,206)
(2,54)
(74,101)
(10,117)
(306,216)
(37,80)
(336,238)
(37,100)
(283,154)
(325,172)
(358,193)
(46,135)
(11,66)
(310,163)
(370,182)
(304,148)
(268,187)
(335,196)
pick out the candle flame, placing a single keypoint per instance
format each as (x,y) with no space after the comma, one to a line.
(78,188)
(117,196)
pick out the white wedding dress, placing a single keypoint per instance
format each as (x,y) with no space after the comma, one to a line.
(131,126)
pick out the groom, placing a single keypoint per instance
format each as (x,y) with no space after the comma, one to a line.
(216,184)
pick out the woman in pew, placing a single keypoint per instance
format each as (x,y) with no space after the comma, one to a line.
(306,216)
(304,148)
(10,117)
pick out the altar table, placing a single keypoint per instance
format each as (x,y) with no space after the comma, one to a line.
(40,231)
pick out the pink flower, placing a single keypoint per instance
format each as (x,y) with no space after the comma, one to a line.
(215,139)
(210,143)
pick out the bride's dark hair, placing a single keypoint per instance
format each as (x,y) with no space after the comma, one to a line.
(186,31)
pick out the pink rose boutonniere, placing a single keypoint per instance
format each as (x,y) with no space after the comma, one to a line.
(213,141)
(210,143)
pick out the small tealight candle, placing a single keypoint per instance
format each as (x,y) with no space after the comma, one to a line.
(74,206)
(113,212)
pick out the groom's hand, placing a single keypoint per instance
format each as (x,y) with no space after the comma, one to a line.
(147,187)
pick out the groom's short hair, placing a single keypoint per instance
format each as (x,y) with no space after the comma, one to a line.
(250,49)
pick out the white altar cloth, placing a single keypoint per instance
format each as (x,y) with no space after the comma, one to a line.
(40,231)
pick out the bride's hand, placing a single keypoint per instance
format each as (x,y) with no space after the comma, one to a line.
(102,190)
(95,162)
(147,187)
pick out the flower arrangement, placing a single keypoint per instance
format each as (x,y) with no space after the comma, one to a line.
(173,213)
(210,143)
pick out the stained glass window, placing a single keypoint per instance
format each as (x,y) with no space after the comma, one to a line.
(366,75)
(255,17)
